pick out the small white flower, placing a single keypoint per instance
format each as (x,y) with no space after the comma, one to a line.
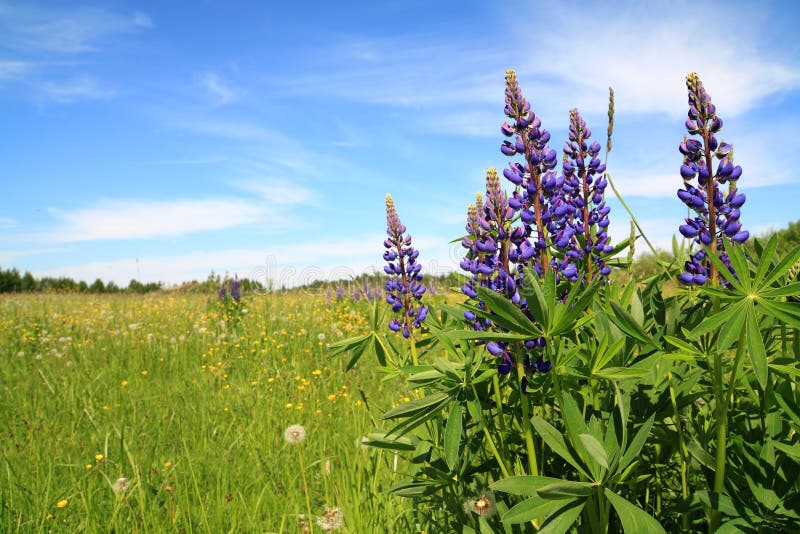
(120,485)
(294,434)
(133,326)
(321,336)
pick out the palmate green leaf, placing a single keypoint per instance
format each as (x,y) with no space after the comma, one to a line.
(555,440)
(755,348)
(380,440)
(566,315)
(576,425)
(636,444)
(739,263)
(634,520)
(527,485)
(790,290)
(620,373)
(791,450)
(783,267)
(625,322)
(565,489)
(532,290)
(454,430)
(765,259)
(730,330)
(786,369)
(723,270)
(685,346)
(562,519)
(425,404)
(715,321)
(506,314)
(534,508)
(783,311)
(595,449)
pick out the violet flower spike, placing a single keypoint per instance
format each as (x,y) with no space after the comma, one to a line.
(236,293)
(404,286)
(716,213)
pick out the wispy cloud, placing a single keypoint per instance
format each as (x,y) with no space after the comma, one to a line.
(78,88)
(217,88)
(14,70)
(138,219)
(77,30)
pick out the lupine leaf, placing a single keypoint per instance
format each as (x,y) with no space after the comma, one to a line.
(636,444)
(555,440)
(739,263)
(722,269)
(452,435)
(533,508)
(625,321)
(595,449)
(765,259)
(790,290)
(563,518)
(527,485)
(730,330)
(783,311)
(783,266)
(715,321)
(634,520)
(567,489)
(755,347)
(424,404)
(510,314)
(681,344)
(379,440)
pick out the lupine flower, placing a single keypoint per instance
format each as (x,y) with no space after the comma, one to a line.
(404,286)
(236,293)
(579,212)
(716,213)
(223,295)
(534,179)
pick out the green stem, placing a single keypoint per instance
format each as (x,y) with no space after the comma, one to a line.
(498,400)
(309,517)
(796,336)
(682,450)
(630,213)
(495,452)
(414,357)
(526,427)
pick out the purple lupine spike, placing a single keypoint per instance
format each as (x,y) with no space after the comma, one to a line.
(223,296)
(236,293)
(405,285)
(717,213)
(578,210)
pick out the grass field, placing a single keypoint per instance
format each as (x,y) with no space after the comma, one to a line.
(167,413)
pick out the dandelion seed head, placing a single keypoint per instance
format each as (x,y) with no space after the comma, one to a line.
(120,485)
(294,434)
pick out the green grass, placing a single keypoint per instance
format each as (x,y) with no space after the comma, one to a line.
(191,411)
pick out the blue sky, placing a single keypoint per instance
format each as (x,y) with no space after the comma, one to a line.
(161,140)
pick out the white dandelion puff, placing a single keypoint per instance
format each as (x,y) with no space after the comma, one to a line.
(294,434)
(120,485)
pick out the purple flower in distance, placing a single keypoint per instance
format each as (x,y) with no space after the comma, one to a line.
(223,295)
(716,212)
(236,293)
(404,290)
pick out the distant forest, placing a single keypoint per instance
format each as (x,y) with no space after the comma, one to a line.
(12,281)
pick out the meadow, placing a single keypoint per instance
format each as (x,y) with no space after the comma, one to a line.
(188,402)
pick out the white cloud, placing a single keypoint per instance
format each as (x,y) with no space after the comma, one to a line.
(153,219)
(78,88)
(64,31)
(645,50)
(14,70)
(219,89)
